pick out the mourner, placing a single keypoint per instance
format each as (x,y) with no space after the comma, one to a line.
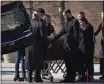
(50,32)
(71,32)
(82,47)
(101,28)
(88,44)
(81,15)
(47,19)
(20,57)
(39,42)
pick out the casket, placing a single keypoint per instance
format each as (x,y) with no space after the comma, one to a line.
(56,51)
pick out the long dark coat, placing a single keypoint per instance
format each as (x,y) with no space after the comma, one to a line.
(36,52)
(87,46)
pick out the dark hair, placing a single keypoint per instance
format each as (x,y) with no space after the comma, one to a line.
(68,11)
(41,10)
(84,20)
(81,12)
(47,15)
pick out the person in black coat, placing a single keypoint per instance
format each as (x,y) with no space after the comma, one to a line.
(50,32)
(71,42)
(87,44)
(35,60)
(81,76)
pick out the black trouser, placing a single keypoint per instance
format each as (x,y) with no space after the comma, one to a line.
(89,66)
(81,62)
(70,66)
(89,63)
(36,75)
(102,66)
(89,52)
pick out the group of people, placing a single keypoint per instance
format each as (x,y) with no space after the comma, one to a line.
(78,47)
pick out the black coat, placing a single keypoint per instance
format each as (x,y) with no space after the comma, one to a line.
(36,52)
(71,31)
(87,40)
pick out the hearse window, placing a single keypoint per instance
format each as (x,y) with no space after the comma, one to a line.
(7,22)
(15,17)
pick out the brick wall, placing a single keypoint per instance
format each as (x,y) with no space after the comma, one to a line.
(92,10)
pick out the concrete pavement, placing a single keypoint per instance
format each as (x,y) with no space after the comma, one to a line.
(8,74)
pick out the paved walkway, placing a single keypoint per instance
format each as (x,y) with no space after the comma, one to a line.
(8,74)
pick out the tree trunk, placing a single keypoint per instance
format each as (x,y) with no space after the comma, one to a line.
(61,7)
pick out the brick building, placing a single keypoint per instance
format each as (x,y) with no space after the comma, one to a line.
(92,10)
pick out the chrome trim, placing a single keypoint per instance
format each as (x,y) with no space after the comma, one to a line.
(18,38)
(26,31)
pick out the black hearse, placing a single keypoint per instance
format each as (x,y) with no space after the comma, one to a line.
(15,27)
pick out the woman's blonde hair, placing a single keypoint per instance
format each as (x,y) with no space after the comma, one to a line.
(34,15)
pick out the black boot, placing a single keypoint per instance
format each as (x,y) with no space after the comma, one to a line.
(38,77)
(17,78)
(30,76)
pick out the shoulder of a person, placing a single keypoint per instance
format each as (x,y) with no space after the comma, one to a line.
(90,25)
(75,20)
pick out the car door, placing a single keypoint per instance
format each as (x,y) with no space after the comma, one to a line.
(15,27)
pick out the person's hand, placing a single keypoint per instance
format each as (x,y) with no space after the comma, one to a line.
(49,46)
(50,38)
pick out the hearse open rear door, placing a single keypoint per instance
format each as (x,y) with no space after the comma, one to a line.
(15,27)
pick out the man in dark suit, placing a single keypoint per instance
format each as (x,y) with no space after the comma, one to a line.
(71,31)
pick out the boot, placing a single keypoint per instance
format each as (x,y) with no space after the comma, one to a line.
(17,77)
